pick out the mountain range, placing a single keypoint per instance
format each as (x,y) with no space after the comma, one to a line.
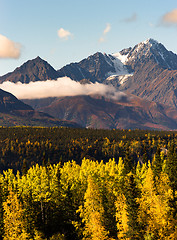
(146,73)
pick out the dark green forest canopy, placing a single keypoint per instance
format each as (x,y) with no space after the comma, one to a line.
(22,147)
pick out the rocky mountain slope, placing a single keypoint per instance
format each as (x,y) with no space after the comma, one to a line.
(155,72)
(9,103)
(33,70)
(14,112)
(99,112)
(95,68)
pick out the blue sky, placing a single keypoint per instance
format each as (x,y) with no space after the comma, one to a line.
(88,26)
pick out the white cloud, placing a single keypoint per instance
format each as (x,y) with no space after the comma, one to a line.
(107,29)
(59,88)
(64,34)
(105,32)
(170,18)
(8,48)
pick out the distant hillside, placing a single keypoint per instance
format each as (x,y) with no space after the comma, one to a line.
(99,112)
(14,112)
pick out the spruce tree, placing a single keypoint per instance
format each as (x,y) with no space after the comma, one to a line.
(128,161)
(171,168)
(157,163)
(1,213)
(131,194)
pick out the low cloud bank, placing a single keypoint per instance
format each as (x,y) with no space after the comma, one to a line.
(8,48)
(60,88)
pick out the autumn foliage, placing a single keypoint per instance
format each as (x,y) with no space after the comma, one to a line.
(130,196)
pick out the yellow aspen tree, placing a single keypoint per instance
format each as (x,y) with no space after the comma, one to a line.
(92,213)
(14,222)
(154,204)
(164,215)
(121,217)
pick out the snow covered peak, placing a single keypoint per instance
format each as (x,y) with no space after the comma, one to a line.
(146,46)
(151,42)
(139,50)
(146,50)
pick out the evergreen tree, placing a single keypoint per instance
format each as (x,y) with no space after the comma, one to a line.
(157,163)
(1,212)
(24,167)
(128,161)
(171,166)
(108,199)
(171,169)
(145,156)
(133,208)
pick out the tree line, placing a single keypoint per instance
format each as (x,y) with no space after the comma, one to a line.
(22,147)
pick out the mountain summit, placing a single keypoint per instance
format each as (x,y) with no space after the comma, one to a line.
(33,70)
(155,72)
(149,50)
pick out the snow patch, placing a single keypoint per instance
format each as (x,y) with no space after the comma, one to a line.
(121,72)
(121,79)
(120,68)
(122,58)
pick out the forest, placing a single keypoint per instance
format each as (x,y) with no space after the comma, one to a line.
(67,184)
